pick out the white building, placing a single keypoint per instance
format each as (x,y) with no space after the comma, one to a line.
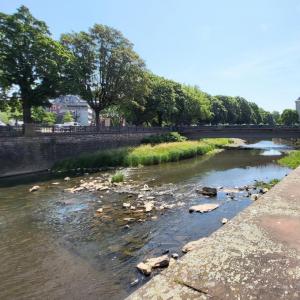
(80,109)
(298,107)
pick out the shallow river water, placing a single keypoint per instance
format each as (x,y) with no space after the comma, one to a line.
(54,246)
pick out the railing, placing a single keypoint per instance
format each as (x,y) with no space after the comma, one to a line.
(38,130)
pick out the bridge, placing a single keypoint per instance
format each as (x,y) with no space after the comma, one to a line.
(240,131)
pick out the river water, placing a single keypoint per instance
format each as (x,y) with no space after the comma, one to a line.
(53,246)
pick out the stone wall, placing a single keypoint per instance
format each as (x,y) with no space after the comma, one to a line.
(20,155)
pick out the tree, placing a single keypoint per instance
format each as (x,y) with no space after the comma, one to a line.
(68,117)
(32,65)
(40,115)
(219,111)
(276,117)
(289,117)
(106,70)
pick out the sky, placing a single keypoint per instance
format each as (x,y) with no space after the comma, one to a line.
(248,48)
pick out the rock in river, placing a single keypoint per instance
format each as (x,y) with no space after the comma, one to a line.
(208,191)
(34,188)
(126,205)
(204,207)
(144,268)
(224,221)
(152,263)
(254,197)
(148,206)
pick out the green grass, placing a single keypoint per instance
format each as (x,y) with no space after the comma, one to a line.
(292,160)
(118,177)
(268,185)
(143,155)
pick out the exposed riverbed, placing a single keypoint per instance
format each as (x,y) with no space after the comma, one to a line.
(54,246)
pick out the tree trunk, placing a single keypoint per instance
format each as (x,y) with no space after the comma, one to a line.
(159,120)
(26,112)
(97,119)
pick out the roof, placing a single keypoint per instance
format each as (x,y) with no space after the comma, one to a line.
(73,100)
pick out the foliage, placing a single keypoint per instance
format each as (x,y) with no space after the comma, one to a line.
(32,64)
(163,138)
(167,102)
(141,155)
(4,117)
(289,117)
(292,160)
(68,117)
(106,70)
(118,177)
(40,115)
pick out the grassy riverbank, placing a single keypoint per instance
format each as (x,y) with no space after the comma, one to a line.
(143,155)
(292,160)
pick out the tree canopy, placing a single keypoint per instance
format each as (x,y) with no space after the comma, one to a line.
(106,70)
(32,63)
(289,117)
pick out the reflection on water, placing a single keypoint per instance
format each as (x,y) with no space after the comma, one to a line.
(52,245)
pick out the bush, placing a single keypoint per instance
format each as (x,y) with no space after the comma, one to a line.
(118,177)
(163,138)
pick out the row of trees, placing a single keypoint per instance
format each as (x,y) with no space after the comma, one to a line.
(101,66)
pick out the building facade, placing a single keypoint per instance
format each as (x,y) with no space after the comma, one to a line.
(81,111)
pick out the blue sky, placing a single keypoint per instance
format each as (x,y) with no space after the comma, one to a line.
(247,48)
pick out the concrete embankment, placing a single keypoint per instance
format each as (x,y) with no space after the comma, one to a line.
(256,255)
(21,155)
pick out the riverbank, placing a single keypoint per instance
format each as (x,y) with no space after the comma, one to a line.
(254,256)
(292,160)
(143,155)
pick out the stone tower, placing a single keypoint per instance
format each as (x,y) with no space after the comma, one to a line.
(298,106)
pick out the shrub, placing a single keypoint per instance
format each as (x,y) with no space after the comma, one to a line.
(163,138)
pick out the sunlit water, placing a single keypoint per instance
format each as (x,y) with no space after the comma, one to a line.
(53,247)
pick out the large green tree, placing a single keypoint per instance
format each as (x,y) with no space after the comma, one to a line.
(289,117)
(106,71)
(32,64)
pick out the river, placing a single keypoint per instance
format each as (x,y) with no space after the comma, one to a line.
(53,246)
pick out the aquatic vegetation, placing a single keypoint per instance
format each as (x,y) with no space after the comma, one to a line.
(292,160)
(143,155)
(268,185)
(118,177)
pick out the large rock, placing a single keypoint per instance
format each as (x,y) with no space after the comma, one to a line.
(208,191)
(193,245)
(202,208)
(144,268)
(152,263)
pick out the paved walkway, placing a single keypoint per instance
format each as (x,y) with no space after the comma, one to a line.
(254,256)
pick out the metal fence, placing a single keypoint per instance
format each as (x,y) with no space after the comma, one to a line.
(42,130)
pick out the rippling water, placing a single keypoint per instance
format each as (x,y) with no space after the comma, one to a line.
(53,247)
